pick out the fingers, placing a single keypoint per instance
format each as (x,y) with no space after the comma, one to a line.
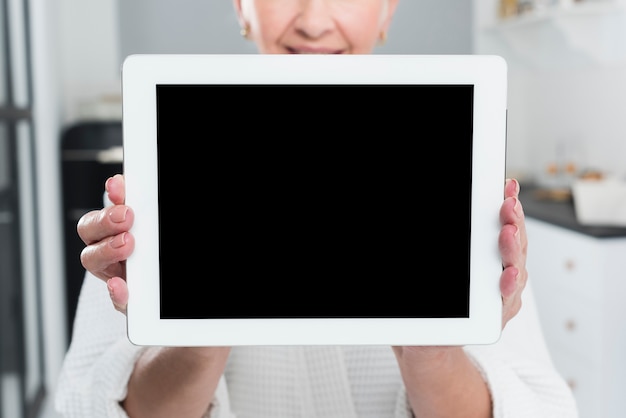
(511,188)
(106,258)
(513,244)
(511,287)
(118,291)
(116,189)
(105,233)
(96,225)
(108,241)
(513,241)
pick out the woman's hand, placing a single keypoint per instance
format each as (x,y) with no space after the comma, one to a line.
(442,381)
(109,242)
(513,245)
(166,381)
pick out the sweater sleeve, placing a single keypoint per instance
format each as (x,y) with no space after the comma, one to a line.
(98,364)
(519,371)
(100,358)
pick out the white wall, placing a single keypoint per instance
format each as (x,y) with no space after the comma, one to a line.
(88,48)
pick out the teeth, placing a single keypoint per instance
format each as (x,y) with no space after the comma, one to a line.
(311,52)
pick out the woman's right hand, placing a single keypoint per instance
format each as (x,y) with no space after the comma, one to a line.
(109,242)
(166,381)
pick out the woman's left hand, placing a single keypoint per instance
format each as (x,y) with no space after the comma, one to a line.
(513,245)
(443,381)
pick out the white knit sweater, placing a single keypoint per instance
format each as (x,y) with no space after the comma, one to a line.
(306,382)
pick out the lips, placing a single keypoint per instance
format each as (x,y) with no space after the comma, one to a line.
(313,50)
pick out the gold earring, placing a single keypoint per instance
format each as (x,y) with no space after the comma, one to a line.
(382,38)
(245,31)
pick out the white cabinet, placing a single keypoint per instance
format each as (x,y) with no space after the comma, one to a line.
(580,286)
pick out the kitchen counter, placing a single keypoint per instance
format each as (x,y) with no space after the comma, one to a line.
(561,212)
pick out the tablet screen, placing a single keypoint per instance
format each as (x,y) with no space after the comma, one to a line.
(314,201)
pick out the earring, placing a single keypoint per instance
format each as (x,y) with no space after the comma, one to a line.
(245,31)
(382,38)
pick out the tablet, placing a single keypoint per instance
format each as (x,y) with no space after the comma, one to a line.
(314,199)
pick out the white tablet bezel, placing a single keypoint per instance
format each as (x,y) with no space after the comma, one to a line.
(140,75)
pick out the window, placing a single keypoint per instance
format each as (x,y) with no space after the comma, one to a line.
(21,351)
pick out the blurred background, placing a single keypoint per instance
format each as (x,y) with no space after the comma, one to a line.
(60,137)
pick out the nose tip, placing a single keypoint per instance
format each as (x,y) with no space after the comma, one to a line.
(314,19)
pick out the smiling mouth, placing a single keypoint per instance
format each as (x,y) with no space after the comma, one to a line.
(313,51)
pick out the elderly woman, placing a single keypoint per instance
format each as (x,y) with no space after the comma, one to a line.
(104,375)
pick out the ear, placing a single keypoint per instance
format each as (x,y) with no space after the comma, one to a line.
(237,6)
(391,10)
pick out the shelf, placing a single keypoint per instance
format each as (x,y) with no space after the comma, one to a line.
(587,9)
(597,29)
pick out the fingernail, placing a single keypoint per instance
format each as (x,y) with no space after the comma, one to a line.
(118,214)
(517,207)
(510,180)
(110,287)
(106,185)
(118,240)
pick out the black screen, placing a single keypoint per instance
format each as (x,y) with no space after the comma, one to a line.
(314,201)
